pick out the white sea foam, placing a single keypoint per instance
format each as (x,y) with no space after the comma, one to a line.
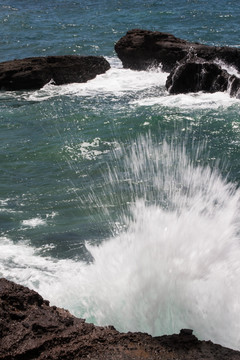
(34,222)
(5,206)
(230,69)
(175,265)
(115,82)
(8,211)
(119,82)
(21,263)
(86,150)
(4,202)
(198,100)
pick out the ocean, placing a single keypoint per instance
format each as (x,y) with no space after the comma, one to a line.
(118,201)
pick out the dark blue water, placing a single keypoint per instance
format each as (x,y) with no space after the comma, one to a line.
(119,162)
(33,28)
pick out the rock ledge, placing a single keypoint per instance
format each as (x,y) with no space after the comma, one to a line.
(31,329)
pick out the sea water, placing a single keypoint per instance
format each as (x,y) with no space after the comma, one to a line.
(119,201)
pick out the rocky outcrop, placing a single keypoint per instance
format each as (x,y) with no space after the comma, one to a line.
(193,74)
(197,75)
(34,73)
(139,49)
(193,67)
(31,329)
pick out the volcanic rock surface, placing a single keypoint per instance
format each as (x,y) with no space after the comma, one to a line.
(197,75)
(31,329)
(140,49)
(34,73)
(193,74)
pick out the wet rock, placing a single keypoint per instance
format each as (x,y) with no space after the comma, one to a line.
(194,74)
(197,75)
(234,86)
(40,331)
(186,332)
(34,73)
(139,49)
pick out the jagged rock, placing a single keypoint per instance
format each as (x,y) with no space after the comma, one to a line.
(197,75)
(31,329)
(193,74)
(35,72)
(139,49)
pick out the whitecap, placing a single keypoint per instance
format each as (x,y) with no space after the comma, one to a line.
(115,82)
(34,222)
(198,100)
(174,263)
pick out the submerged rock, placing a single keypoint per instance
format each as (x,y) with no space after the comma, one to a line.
(31,329)
(139,49)
(35,72)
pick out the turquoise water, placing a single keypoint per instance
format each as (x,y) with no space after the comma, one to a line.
(117,200)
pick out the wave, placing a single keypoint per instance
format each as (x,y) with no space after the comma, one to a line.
(174,261)
(115,82)
(190,101)
(144,88)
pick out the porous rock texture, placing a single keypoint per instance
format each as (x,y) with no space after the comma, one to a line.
(33,73)
(31,329)
(140,49)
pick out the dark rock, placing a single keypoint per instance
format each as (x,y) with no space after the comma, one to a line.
(193,74)
(186,332)
(197,75)
(34,73)
(139,49)
(43,332)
